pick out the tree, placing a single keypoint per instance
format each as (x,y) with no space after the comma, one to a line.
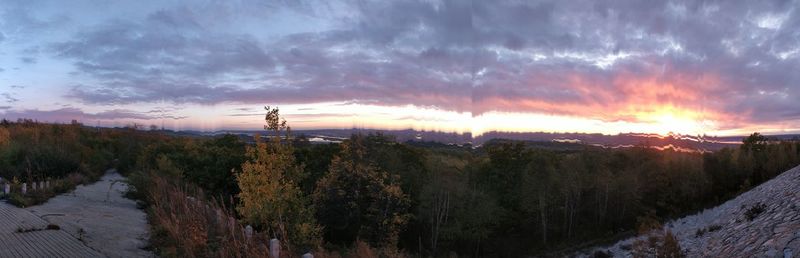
(755,142)
(270,198)
(358,200)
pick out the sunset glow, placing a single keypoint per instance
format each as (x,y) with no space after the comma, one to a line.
(667,66)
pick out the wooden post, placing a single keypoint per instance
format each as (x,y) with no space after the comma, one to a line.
(275,248)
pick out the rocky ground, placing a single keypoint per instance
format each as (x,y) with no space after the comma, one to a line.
(763,222)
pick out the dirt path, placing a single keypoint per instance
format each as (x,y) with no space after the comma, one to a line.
(98,215)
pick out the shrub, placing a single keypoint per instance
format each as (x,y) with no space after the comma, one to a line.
(753,212)
(700,232)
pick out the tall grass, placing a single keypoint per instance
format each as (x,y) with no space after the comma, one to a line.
(186,224)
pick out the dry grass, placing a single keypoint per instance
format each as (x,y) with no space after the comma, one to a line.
(187,225)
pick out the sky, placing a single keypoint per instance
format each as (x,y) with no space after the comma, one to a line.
(689,67)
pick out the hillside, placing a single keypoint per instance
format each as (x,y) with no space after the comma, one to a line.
(763,222)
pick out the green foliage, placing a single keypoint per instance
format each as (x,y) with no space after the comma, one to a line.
(358,200)
(66,155)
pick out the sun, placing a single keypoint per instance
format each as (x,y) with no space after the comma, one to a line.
(670,120)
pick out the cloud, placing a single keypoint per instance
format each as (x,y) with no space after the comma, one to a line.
(609,60)
(27,60)
(9,97)
(69,113)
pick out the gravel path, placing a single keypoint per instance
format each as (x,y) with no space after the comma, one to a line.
(775,232)
(98,215)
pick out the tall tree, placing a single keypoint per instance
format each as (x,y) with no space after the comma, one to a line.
(358,200)
(270,197)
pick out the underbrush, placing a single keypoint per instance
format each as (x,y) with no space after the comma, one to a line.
(186,224)
(39,196)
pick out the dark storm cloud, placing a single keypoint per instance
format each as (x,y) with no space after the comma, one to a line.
(474,56)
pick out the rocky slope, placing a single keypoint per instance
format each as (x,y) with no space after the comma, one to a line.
(763,222)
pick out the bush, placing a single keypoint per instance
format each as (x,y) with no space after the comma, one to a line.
(754,211)
(18,200)
(700,232)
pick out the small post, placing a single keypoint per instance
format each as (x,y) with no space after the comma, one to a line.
(7,189)
(274,248)
(248,232)
(24,188)
(47,184)
(308,255)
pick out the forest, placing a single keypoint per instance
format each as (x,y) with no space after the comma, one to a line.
(372,196)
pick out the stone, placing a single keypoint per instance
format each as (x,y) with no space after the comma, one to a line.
(771,253)
(7,189)
(308,255)
(787,253)
(24,188)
